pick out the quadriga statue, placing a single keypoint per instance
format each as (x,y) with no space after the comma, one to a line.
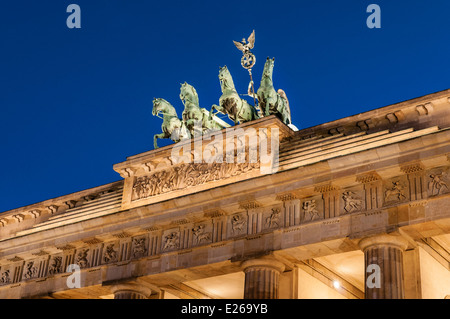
(172,126)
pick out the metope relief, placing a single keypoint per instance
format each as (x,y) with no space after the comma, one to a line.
(5,277)
(273,219)
(81,258)
(201,235)
(438,182)
(55,265)
(352,201)
(396,190)
(312,209)
(237,225)
(170,240)
(110,253)
(139,247)
(31,270)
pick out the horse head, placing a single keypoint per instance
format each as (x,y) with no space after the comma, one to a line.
(160,106)
(188,93)
(225,78)
(268,67)
(223,72)
(183,91)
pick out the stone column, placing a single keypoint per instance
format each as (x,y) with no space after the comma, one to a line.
(262,278)
(383,261)
(131,291)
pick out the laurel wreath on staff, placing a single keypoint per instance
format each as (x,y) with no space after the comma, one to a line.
(248,59)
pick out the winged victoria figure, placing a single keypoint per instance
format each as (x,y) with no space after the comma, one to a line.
(246,46)
(248,59)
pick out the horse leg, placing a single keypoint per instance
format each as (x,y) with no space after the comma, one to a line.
(254,114)
(245,111)
(218,108)
(262,103)
(155,139)
(211,121)
(267,105)
(211,112)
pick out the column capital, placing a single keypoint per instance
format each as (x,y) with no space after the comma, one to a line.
(262,276)
(131,289)
(263,262)
(383,240)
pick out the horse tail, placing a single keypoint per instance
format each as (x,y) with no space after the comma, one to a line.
(284,96)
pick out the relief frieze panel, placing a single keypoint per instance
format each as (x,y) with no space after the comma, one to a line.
(312,209)
(170,240)
(186,175)
(110,252)
(395,190)
(237,225)
(31,269)
(55,265)
(202,234)
(438,181)
(139,247)
(82,258)
(251,219)
(352,200)
(12,273)
(5,276)
(273,218)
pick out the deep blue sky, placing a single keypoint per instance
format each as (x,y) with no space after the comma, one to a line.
(74,102)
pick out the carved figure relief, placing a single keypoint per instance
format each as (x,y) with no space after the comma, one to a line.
(171,241)
(55,266)
(5,279)
(437,184)
(110,254)
(237,224)
(310,211)
(30,271)
(82,260)
(273,219)
(200,235)
(395,192)
(139,249)
(186,175)
(352,203)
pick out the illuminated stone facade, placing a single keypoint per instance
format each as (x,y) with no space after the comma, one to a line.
(349,199)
